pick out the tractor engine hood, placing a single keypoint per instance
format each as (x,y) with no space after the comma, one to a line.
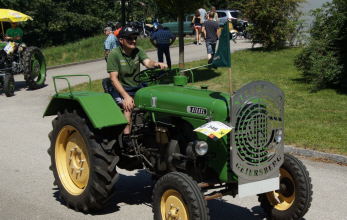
(184,101)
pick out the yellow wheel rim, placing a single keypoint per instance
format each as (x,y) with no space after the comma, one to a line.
(277,199)
(71,160)
(172,206)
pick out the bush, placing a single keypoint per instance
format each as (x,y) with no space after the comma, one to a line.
(57,22)
(274,22)
(323,60)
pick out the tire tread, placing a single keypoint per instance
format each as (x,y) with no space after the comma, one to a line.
(103,175)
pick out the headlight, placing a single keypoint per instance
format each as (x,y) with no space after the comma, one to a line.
(278,136)
(201,148)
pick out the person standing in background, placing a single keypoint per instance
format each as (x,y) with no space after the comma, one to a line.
(203,17)
(211,33)
(197,26)
(215,17)
(162,39)
(110,42)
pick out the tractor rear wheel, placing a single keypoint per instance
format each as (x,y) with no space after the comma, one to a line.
(9,85)
(294,198)
(84,171)
(34,67)
(178,196)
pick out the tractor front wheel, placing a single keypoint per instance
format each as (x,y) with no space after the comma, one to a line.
(294,197)
(9,85)
(84,171)
(34,66)
(178,196)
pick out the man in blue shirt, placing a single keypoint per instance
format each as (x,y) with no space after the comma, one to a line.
(162,39)
(110,42)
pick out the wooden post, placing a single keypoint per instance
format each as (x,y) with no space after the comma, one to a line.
(123,19)
(230,81)
(180,41)
(2,28)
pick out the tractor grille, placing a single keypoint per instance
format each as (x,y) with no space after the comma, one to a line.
(257,137)
(253,135)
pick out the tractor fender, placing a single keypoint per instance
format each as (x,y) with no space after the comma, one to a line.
(100,108)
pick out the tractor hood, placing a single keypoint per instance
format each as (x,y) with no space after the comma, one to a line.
(184,101)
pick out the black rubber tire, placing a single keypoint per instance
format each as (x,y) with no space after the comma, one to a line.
(303,192)
(188,189)
(3,57)
(102,173)
(9,85)
(32,81)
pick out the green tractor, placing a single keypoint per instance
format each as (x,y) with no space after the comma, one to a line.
(19,59)
(198,145)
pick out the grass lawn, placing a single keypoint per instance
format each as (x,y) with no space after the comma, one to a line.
(87,49)
(312,120)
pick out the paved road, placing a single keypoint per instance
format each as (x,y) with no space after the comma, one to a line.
(27,192)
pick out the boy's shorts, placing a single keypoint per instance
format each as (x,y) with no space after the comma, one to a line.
(211,47)
(109,88)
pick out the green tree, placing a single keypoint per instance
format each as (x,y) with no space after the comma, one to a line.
(222,4)
(323,61)
(273,21)
(137,10)
(180,8)
(59,21)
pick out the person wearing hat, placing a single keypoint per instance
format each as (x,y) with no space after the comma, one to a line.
(123,64)
(14,33)
(110,42)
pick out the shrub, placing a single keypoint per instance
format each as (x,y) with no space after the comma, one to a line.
(323,61)
(274,22)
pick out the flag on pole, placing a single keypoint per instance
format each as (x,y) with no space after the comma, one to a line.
(222,58)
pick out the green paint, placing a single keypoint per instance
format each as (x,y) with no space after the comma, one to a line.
(100,108)
(171,100)
(176,99)
(39,66)
(180,80)
(217,151)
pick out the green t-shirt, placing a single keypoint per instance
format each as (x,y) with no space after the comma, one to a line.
(15,32)
(126,66)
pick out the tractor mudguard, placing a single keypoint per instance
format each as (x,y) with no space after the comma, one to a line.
(100,108)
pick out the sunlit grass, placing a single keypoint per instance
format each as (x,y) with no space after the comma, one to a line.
(312,120)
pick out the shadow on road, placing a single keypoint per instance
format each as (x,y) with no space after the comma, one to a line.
(131,190)
(222,210)
(20,85)
(137,189)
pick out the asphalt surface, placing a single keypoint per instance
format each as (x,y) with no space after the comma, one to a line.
(26,183)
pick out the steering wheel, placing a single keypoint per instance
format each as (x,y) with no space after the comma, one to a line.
(150,75)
